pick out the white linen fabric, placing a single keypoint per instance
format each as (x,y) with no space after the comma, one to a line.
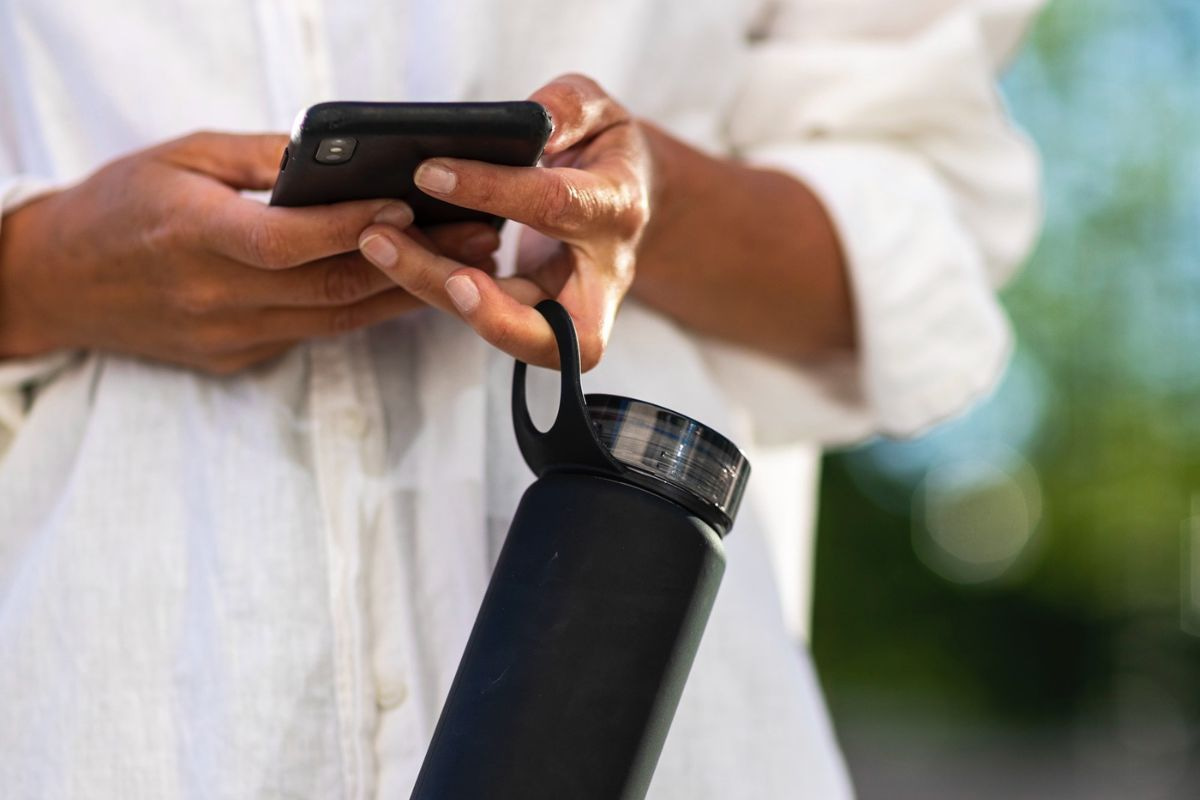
(260,586)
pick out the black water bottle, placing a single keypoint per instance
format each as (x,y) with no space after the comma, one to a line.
(595,609)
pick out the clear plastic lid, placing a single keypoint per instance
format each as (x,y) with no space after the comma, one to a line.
(673,448)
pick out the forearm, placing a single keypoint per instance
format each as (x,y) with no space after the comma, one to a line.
(743,254)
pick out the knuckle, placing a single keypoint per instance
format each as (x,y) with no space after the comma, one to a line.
(553,205)
(634,219)
(345,228)
(571,97)
(501,334)
(576,99)
(168,235)
(267,246)
(632,202)
(573,91)
(345,283)
(422,280)
(482,189)
(199,298)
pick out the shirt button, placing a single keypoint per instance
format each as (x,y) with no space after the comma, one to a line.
(353,423)
(390,694)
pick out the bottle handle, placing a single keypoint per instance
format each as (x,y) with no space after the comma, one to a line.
(571,440)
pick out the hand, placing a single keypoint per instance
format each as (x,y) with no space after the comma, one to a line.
(158,255)
(586,212)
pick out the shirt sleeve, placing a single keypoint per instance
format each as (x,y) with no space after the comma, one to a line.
(890,114)
(19,375)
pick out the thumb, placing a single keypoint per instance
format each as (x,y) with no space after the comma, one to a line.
(240,160)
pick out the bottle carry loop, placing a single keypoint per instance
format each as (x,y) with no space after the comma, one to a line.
(571,441)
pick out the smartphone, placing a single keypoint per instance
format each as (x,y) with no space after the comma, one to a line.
(361,151)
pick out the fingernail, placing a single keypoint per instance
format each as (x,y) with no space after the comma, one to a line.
(463,292)
(435,178)
(480,245)
(378,250)
(396,213)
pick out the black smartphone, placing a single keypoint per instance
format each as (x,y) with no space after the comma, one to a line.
(361,151)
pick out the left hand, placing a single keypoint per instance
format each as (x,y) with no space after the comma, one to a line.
(586,211)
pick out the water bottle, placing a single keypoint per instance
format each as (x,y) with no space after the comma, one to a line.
(594,612)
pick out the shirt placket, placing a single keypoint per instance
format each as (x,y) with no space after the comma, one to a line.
(343,406)
(343,420)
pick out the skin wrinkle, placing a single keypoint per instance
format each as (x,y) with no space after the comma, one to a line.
(621,207)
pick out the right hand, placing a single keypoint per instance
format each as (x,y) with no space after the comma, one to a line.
(158,255)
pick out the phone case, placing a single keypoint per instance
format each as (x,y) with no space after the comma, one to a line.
(391,139)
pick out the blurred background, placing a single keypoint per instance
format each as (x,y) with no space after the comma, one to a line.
(1010,606)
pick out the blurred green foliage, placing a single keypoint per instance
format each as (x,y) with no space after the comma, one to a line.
(1102,404)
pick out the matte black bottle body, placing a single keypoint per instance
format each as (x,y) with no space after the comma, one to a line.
(581,648)
(595,610)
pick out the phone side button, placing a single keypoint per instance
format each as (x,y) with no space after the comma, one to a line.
(283,162)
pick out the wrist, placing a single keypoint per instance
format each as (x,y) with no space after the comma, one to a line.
(667,174)
(685,181)
(23,332)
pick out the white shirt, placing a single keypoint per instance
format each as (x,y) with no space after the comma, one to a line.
(260,586)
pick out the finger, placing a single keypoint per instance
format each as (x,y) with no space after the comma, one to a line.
(290,324)
(564,203)
(487,265)
(579,109)
(413,267)
(243,161)
(509,324)
(335,281)
(270,237)
(240,360)
(467,242)
(502,313)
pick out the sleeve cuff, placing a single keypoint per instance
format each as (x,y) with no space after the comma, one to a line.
(17,191)
(932,337)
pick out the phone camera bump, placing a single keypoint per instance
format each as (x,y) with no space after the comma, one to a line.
(336,150)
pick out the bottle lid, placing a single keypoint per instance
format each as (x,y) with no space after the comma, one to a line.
(672,448)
